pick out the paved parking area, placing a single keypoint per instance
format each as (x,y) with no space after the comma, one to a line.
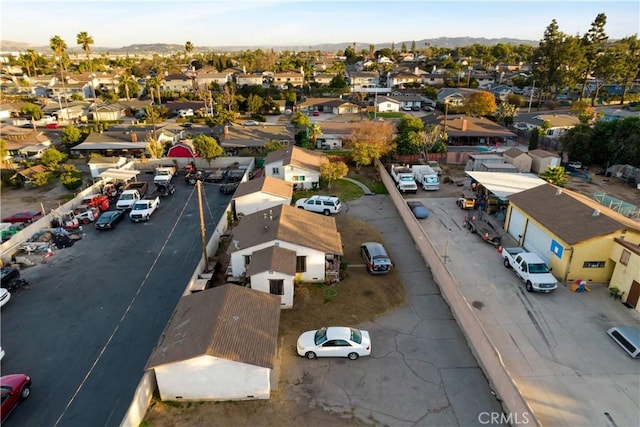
(86,327)
(554,345)
(421,371)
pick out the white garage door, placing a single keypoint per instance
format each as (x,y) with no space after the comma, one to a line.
(538,241)
(516,224)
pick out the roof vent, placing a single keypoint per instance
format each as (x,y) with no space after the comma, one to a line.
(596,212)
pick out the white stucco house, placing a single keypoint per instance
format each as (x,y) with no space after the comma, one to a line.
(261,193)
(314,238)
(295,165)
(220,344)
(387,104)
(273,270)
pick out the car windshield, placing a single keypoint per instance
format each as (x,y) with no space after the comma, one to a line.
(538,268)
(406,178)
(126,197)
(139,207)
(321,336)
(356,336)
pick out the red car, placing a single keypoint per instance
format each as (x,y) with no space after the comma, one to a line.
(13,389)
(52,126)
(316,113)
(25,216)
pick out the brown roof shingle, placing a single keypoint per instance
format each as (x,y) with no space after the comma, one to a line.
(230,322)
(563,215)
(273,258)
(265,184)
(288,224)
(297,157)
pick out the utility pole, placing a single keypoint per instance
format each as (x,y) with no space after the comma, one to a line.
(203,232)
(533,89)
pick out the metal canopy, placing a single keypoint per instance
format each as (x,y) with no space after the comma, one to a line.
(122,174)
(503,184)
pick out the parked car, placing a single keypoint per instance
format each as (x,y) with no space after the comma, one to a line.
(8,274)
(628,338)
(52,126)
(575,165)
(187,125)
(406,109)
(316,113)
(322,204)
(5,296)
(418,209)
(375,258)
(24,216)
(250,123)
(415,108)
(14,389)
(334,341)
(109,219)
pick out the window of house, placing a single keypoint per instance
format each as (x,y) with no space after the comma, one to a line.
(276,287)
(624,257)
(593,264)
(275,171)
(301,264)
(247,259)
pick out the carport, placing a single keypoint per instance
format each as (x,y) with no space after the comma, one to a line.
(502,185)
(119,174)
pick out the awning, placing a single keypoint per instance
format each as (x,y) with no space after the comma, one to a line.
(503,185)
(122,174)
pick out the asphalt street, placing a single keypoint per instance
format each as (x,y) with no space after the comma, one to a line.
(93,313)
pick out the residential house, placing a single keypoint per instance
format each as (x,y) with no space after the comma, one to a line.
(433,79)
(24,143)
(385,60)
(324,78)
(249,79)
(26,175)
(559,123)
(541,160)
(108,112)
(454,96)
(387,104)
(364,79)
(119,143)
(314,238)
(177,82)
(220,344)
(234,138)
(338,106)
(261,193)
(272,270)
(295,165)
(283,80)
(334,135)
(485,80)
(401,78)
(626,272)
(501,92)
(204,78)
(468,130)
(572,233)
(518,158)
(408,101)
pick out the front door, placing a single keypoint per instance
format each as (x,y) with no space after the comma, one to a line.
(634,294)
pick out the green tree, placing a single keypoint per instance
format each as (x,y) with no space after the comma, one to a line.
(51,158)
(272,145)
(188,48)
(207,147)
(338,82)
(534,139)
(314,133)
(408,140)
(331,171)
(254,104)
(300,120)
(593,45)
(431,137)
(85,41)
(128,85)
(34,111)
(154,148)
(480,104)
(40,179)
(555,175)
(584,111)
(370,141)
(59,47)
(628,62)
(71,177)
(505,113)
(71,135)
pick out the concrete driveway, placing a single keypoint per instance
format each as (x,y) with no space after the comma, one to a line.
(553,345)
(420,372)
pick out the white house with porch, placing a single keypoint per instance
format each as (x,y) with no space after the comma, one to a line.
(295,165)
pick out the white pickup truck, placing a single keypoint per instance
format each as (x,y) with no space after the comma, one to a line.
(531,269)
(143,208)
(164,175)
(403,176)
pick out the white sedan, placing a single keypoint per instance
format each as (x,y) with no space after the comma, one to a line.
(334,341)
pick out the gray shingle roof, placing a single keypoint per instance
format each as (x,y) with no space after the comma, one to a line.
(230,322)
(273,258)
(265,184)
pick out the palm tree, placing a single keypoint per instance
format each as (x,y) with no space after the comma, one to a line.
(125,82)
(85,41)
(154,83)
(59,47)
(555,175)
(188,47)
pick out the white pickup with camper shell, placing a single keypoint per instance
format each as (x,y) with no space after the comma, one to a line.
(531,269)
(164,175)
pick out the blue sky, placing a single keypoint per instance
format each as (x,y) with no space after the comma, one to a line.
(117,23)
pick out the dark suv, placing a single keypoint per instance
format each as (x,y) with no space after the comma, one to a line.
(8,275)
(375,258)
